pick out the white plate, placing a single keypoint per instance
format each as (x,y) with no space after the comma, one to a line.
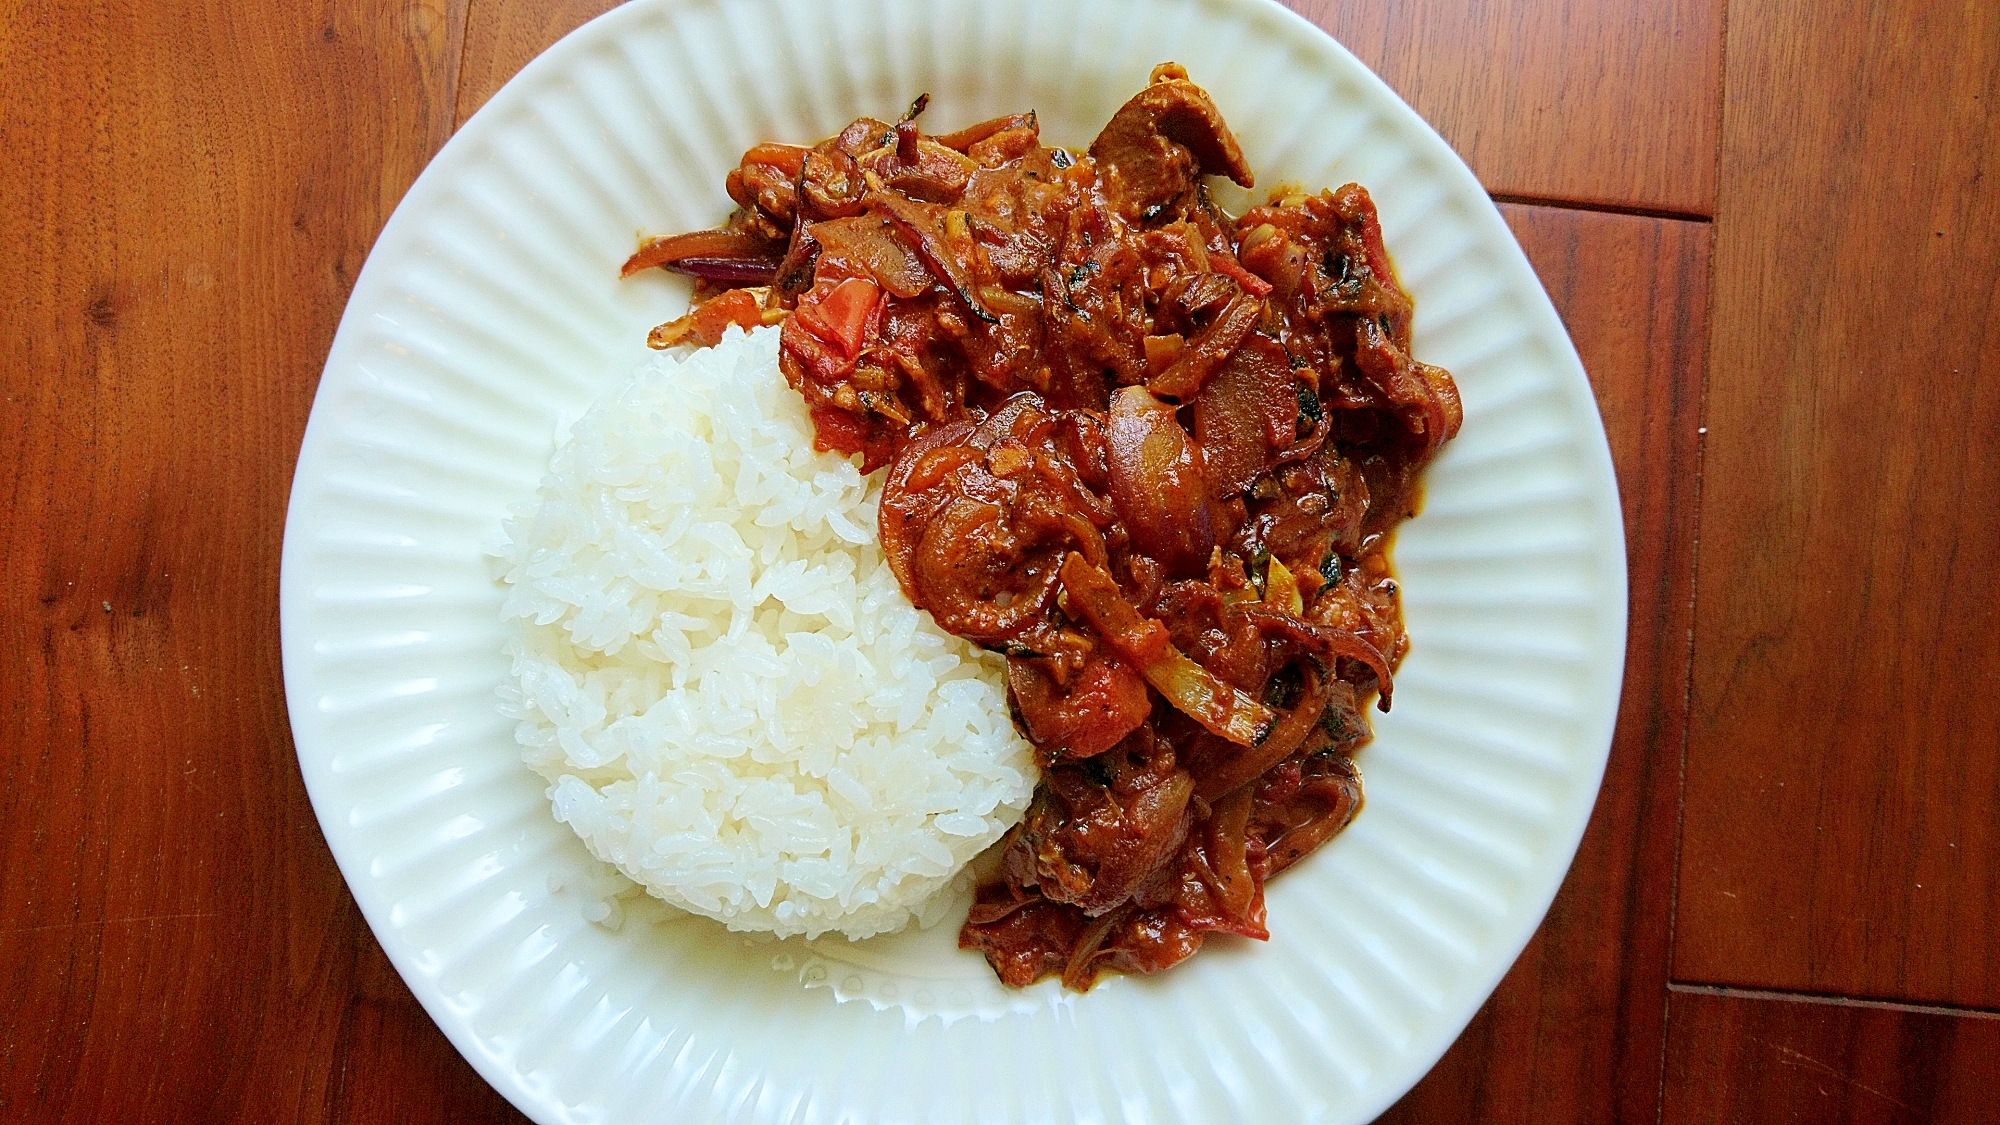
(490,312)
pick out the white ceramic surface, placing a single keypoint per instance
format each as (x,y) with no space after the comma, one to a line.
(490,313)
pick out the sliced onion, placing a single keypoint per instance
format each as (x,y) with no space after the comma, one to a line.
(1236,774)
(1207,351)
(1222,709)
(1327,643)
(868,242)
(1159,483)
(719,255)
(1235,887)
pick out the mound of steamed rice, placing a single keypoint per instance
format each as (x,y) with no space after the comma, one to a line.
(733,702)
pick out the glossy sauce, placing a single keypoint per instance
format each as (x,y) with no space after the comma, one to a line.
(1153,453)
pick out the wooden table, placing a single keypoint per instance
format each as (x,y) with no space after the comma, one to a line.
(1772,230)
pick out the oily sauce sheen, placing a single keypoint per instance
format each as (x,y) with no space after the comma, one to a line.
(1151,452)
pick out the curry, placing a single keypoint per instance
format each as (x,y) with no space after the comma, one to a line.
(1152,452)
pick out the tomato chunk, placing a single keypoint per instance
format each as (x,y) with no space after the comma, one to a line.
(738,307)
(844,316)
(1103,704)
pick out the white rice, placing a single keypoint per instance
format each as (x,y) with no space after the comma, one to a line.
(714,669)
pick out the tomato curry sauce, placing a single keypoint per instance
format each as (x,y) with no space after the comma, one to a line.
(1151,452)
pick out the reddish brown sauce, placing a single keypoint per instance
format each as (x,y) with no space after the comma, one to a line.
(1151,452)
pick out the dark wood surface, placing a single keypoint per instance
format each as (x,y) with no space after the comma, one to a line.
(189,192)
(1612,102)
(1755,1058)
(1844,757)
(396,1068)
(191,188)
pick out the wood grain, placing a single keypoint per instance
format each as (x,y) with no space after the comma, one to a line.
(397,1067)
(190,190)
(1613,103)
(1844,757)
(192,186)
(1575,1031)
(1737,1059)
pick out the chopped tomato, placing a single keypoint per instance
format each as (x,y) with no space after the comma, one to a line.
(838,430)
(738,307)
(842,432)
(845,316)
(1101,705)
(820,360)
